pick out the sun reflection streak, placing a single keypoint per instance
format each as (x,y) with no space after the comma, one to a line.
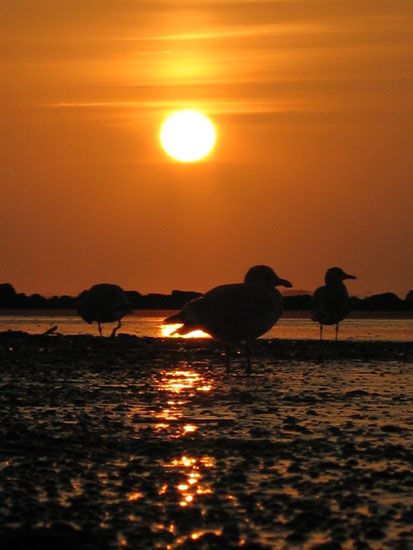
(192,487)
(136,495)
(167,414)
(205,388)
(181,384)
(177,381)
(168,331)
(188,428)
(197,534)
(161,426)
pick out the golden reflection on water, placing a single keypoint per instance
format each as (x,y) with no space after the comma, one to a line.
(175,390)
(122,540)
(168,331)
(185,383)
(180,386)
(188,428)
(168,414)
(161,426)
(194,536)
(193,486)
(135,495)
(177,381)
(197,534)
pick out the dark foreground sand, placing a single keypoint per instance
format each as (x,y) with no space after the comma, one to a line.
(144,443)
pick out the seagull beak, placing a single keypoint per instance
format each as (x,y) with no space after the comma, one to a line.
(350,276)
(284,282)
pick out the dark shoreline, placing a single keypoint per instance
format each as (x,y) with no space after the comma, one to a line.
(10,299)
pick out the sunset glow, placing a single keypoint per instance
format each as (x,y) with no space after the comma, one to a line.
(188,136)
(232,170)
(308,103)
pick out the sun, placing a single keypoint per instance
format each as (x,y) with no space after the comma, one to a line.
(188,136)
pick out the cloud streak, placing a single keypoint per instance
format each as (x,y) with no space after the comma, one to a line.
(215,107)
(231,32)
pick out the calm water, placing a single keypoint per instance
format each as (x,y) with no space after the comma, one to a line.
(293,324)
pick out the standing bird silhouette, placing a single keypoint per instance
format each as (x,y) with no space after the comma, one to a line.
(331,303)
(103,303)
(236,313)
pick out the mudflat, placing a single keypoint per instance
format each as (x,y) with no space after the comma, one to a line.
(154,443)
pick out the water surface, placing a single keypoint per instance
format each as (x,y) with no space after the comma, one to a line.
(292,325)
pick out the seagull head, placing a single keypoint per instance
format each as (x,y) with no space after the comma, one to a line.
(337,275)
(264,276)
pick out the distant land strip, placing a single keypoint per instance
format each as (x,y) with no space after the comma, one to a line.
(10,299)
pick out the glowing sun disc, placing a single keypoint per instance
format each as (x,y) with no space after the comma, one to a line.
(188,136)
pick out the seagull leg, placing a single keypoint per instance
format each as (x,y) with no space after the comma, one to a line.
(113,333)
(227,357)
(321,347)
(100,328)
(336,332)
(248,356)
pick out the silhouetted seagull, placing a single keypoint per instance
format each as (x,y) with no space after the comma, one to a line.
(236,313)
(331,303)
(103,303)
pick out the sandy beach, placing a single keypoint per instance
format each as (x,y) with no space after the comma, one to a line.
(150,443)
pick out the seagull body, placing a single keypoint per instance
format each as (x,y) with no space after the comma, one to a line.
(331,303)
(103,303)
(235,313)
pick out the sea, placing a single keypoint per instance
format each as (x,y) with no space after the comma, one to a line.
(389,326)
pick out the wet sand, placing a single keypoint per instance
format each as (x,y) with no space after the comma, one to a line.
(149,443)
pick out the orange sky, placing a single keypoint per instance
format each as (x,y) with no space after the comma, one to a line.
(313,101)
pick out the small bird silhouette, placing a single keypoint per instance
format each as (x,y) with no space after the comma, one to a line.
(236,313)
(103,303)
(331,302)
